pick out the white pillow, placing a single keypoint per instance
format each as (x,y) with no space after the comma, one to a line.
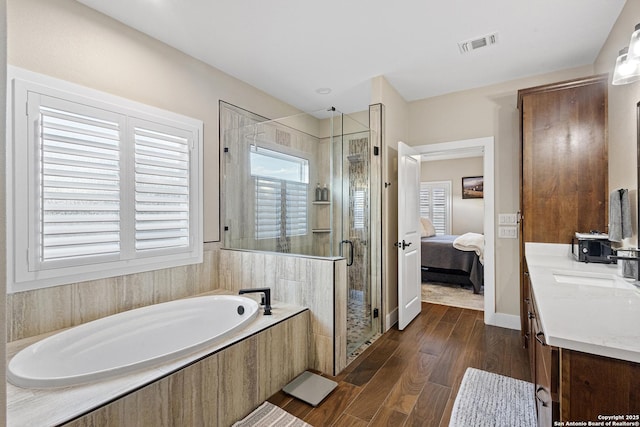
(427,227)
(423,232)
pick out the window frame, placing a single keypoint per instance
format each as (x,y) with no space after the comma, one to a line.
(23,170)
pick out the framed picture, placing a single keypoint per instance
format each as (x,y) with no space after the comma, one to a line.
(472,187)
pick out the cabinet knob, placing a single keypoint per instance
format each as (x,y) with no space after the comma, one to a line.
(530,315)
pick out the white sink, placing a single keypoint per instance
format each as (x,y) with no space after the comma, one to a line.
(591,279)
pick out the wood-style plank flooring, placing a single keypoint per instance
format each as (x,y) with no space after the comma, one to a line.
(411,377)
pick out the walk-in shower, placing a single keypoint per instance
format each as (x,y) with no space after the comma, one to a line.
(303,185)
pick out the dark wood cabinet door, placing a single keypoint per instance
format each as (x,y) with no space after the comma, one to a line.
(564,159)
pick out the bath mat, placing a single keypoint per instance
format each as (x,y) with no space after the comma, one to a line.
(269,415)
(453,295)
(309,387)
(487,399)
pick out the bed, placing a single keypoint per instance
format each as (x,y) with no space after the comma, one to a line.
(442,262)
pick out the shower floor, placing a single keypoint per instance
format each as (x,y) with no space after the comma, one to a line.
(359,328)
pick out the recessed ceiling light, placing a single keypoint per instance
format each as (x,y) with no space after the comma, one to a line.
(323,90)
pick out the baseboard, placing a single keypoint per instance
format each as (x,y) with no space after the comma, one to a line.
(502,320)
(391,319)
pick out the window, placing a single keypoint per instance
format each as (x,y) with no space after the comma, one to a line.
(281,189)
(435,204)
(359,207)
(101,186)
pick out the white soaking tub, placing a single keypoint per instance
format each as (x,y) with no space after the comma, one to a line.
(129,341)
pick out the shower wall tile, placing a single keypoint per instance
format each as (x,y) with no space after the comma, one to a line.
(44,310)
(306,281)
(340,304)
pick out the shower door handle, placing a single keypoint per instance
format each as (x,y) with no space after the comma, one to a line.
(350,262)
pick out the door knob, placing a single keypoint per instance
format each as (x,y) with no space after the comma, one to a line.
(402,244)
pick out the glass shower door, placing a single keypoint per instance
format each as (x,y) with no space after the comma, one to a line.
(355,242)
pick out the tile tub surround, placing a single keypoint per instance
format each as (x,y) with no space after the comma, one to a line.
(586,318)
(39,311)
(314,282)
(255,362)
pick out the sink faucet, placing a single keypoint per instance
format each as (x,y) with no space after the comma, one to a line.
(630,263)
(266,297)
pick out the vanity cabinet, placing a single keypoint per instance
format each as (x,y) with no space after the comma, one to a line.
(574,386)
(545,367)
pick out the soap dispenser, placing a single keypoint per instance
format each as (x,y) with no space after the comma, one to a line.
(318,193)
(325,193)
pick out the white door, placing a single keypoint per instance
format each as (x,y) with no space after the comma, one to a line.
(409,294)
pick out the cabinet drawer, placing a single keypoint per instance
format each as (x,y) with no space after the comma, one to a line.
(546,376)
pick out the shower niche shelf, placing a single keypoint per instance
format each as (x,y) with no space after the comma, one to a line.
(320,227)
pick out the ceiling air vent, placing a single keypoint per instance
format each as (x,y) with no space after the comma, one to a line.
(478,43)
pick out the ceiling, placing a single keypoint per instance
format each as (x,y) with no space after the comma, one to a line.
(291,48)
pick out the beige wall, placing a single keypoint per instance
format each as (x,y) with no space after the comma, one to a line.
(467,215)
(622,110)
(482,112)
(395,128)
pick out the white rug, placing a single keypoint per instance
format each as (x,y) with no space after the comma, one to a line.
(454,295)
(269,415)
(486,399)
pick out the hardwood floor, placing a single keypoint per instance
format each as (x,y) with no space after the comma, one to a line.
(411,377)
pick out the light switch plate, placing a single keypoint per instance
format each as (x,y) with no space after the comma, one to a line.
(508,232)
(508,219)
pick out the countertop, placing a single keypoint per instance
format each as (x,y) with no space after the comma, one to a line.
(58,405)
(601,320)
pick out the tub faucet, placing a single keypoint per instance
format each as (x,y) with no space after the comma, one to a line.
(266,297)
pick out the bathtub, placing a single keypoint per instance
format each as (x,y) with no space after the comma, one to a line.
(129,341)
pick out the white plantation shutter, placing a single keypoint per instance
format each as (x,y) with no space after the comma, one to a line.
(439,203)
(79,183)
(425,200)
(435,204)
(359,206)
(100,186)
(296,215)
(162,164)
(268,208)
(281,208)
